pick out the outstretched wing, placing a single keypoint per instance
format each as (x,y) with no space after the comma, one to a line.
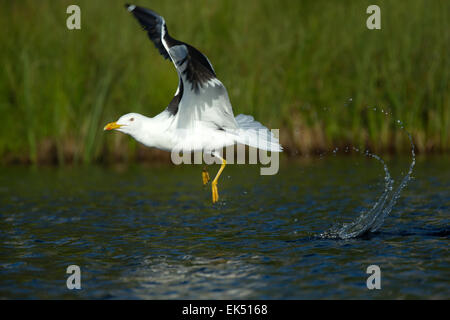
(200,95)
(152,23)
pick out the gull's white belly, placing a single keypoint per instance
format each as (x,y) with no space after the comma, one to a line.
(201,139)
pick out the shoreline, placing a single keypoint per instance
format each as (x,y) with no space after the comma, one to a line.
(138,154)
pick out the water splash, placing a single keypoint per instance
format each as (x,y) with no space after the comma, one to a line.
(373,219)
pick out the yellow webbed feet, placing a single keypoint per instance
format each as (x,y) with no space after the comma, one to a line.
(205,176)
(215,192)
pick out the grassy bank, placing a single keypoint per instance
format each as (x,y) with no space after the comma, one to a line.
(310,68)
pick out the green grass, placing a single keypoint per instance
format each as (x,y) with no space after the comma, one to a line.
(310,68)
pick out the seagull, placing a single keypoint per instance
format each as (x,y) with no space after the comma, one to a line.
(200,116)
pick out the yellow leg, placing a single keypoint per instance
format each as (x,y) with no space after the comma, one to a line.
(205,176)
(215,192)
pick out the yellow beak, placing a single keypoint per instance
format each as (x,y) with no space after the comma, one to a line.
(111,126)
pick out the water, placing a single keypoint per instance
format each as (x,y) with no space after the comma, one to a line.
(151,231)
(371,220)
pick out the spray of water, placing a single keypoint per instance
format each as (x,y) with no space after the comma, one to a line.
(372,220)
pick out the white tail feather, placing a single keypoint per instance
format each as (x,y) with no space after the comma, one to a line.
(254,134)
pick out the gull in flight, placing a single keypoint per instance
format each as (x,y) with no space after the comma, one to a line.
(199,117)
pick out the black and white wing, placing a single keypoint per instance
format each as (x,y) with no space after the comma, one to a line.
(200,96)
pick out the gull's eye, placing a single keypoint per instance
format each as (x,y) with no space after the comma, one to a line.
(132,119)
